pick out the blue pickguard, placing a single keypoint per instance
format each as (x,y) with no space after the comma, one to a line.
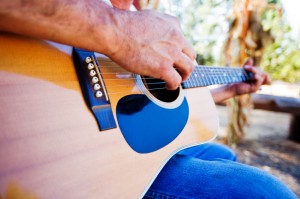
(148,127)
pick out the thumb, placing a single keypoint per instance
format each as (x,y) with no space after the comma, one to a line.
(249,62)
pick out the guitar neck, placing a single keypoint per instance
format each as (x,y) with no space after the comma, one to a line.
(211,75)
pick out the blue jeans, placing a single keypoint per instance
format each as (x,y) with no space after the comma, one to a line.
(211,171)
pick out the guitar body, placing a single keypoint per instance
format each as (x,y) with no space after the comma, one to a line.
(50,144)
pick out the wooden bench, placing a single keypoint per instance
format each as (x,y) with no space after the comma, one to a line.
(281,104)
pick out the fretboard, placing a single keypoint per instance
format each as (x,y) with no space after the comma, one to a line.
(211,75)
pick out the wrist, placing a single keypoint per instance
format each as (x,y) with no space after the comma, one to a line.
(101,29)
(113,31)
(223,93)
(231,90)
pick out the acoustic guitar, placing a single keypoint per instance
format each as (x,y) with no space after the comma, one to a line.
(76,125)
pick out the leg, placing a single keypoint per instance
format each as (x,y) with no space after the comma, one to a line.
(210,151)
(185,176)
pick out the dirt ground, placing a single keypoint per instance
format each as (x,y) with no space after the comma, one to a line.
(266,145)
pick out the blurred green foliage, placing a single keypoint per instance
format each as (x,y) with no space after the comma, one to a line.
(282,58)
(206,24)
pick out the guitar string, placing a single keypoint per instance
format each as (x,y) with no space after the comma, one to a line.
(202,82)
(212,71)
(217,73)
(163,82)
(130,85)
(197,68)
(118,92)
(216,77)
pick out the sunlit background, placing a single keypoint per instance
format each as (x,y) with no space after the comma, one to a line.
(208,23)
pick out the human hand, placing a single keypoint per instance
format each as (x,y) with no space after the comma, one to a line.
(259,78)
(152,44)
(121,4)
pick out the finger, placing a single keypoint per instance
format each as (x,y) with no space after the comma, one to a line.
(189,51)
(259,79)
(249,62)
(267,79)
(172,79)
(184,65)
(250,68)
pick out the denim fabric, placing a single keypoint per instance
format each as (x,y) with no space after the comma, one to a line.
(210,151)
(209,171)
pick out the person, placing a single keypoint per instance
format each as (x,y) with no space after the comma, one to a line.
(150,43)
(145,42)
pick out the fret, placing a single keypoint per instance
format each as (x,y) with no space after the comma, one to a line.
(227,78)
(205,79)
(210,75)
(231,75)
(247,75)
(198,78)
(216,80)
(194,79)
(222,77)
(237,73)
(215,76)
(242,75)
(235,76)
(203,76)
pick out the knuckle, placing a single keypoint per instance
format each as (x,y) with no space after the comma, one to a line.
(175,34)
(165,65)
(174,19)
(193,54)
(191,66)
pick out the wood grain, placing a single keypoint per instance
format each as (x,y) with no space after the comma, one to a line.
(50,146)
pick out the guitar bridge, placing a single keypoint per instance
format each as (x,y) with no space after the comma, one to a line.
(93,88)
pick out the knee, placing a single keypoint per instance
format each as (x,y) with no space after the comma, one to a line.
(210,151)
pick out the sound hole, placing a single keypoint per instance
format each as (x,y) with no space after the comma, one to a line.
(158,89)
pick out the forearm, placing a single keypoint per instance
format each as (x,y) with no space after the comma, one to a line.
(63,21)
(146,42)
(222,93)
